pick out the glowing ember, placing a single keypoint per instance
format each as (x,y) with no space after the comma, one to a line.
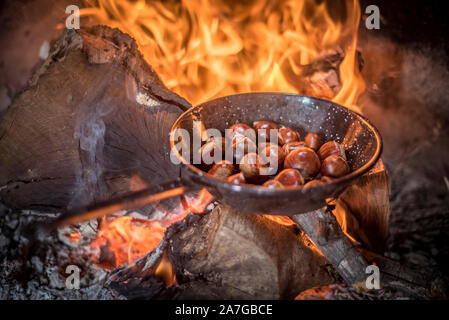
(75,236)
(124,239)
(284,220)
(209,48)
(127,239)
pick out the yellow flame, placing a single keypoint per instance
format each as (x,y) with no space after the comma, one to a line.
(203,49)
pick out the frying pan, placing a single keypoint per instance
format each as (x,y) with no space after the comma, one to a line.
(361,140)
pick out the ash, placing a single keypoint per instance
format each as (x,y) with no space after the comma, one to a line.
(36,270)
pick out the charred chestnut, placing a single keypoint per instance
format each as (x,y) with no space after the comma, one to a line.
(237,178)
(305,160)
(289,147)
(273,184)
(313,141)
(290,177)
(334,166)
(287,135)
(264,129)
(331,148)
(222,170)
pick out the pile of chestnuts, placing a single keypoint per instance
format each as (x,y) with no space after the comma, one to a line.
(287,162)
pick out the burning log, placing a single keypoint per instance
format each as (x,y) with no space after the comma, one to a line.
(322,227)
(229,255)
(91,117)
(225,254)
(363,210)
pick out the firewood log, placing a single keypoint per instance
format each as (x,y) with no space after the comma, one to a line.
(92,116)
(226,254)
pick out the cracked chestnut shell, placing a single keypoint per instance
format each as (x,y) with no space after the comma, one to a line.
(305,160)
(331,148)
(334,166)
(263,129)
(287,135)
(222,170)
(290,177)
(313,141)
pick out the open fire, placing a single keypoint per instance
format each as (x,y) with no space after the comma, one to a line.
(210,48)
(85,154)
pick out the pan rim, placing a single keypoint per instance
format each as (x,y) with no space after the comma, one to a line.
(260,190)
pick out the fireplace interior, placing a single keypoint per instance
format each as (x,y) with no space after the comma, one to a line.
(85,116)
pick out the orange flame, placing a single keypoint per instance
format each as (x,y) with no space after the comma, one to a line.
(74,236)
(165,271)
(126,238)
(284,220)
(204,49)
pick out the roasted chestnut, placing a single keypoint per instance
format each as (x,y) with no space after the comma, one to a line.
(240,130)
(326,179)
(272,158)
(305,160)
(287,135)
(290,177)
(313,183)
(334,166)
(222,170)
(289,147)
(309,160)
(264,129)
(212,150)
(272,153)
(237,178)
(313,141)
(273,184)
(243,146)
(263,145)
(251,168)
(330,148)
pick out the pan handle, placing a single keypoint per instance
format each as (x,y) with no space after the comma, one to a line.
(154,193)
